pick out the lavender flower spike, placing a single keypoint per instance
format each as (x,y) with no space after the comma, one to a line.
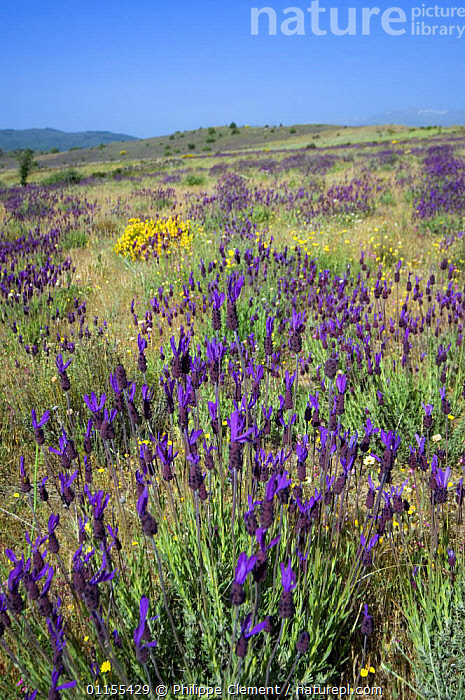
(62,366)
(442,477)
(288,577)
(143,651)
(244,566)
(55,688)
(93,404)
(38,424)
(341,383)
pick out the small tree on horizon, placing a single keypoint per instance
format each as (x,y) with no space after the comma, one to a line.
(26,163)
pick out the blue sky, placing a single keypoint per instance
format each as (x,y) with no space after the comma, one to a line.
(146,68)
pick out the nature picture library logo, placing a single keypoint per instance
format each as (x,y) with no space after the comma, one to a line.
(422,20)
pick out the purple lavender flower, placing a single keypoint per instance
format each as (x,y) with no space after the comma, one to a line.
(370,500)
(142,651)
(244,566)
(297,321)
(106,429)
(250,519)
(43,601)
(367,623)
(445,404)
(217,299)
(288,580)
(261,535)
(90,593)
(98,501)
(246,633)
(215,352)
(276,483)
(87,437)
(421,444)
(117,390)
(14,600)
(184,398)
(235,284)
(65,486)
(314,401)
(236,424)
(341,383)
(141,343)
(367,547)
(37,425)
(148,522)
(301,450)
(302,642)
(288,577)
(213,411)
(289,381)
(442,480)
(25,482)
(116,541)
(165,453)
(62,366)
(428,408)
(56,631)
(54,691)
(269,323)
(53,522)
(94,404)
(43,493)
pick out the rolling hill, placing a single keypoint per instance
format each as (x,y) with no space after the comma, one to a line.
(46,139)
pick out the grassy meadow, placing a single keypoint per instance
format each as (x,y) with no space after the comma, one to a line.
(232,429)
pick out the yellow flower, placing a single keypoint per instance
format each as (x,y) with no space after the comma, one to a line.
(86,638)
(16,495)
(451,417)
(143,240)
(105,667)
(364,672)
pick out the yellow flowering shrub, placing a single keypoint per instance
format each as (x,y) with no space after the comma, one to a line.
(146,239)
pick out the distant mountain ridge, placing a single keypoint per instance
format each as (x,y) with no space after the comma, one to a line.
(45,139)
(416,117)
